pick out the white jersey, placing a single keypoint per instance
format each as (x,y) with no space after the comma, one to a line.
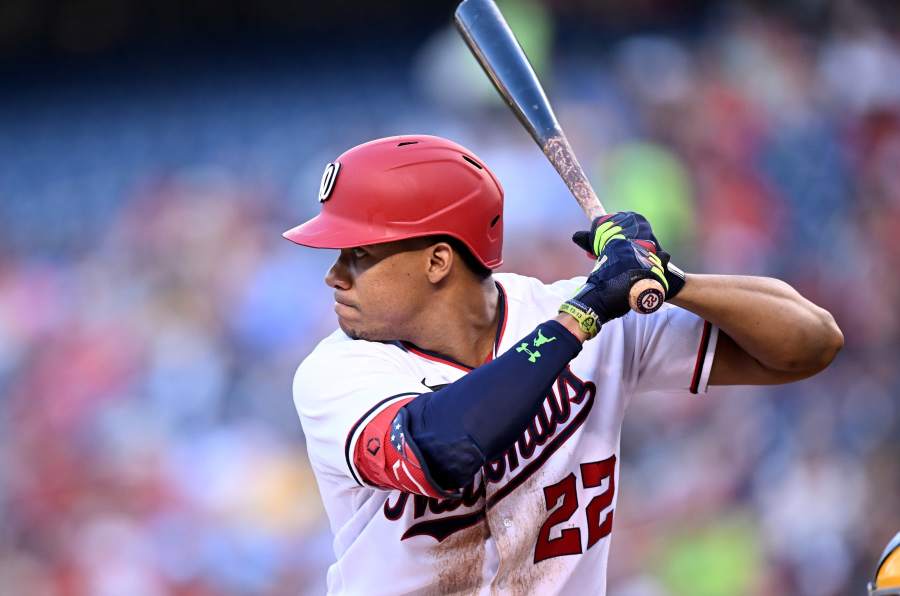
(537,520)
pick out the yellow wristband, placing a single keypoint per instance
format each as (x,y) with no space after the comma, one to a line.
(586,317)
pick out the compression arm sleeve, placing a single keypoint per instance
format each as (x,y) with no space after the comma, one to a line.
(455,430)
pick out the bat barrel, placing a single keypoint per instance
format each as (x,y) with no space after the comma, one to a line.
(492,41)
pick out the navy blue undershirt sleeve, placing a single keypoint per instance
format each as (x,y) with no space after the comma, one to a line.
(467,423)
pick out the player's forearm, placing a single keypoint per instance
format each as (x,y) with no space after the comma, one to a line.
(767,318)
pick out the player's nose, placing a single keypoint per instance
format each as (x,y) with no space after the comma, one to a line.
(338,276)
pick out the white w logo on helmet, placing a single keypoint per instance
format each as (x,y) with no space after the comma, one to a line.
(328,178)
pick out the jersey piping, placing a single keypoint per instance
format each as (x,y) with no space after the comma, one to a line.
(701,357)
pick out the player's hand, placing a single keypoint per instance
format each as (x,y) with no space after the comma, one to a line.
(604,296)
(628,225)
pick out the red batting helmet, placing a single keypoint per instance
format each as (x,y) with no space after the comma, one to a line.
(405,187)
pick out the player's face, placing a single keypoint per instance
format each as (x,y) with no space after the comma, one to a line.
(379,290)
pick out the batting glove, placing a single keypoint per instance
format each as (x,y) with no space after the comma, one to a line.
(628,225)
(604,296)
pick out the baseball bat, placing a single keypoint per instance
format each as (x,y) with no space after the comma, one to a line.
(495,47)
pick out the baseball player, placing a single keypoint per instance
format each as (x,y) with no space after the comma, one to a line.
(463,425)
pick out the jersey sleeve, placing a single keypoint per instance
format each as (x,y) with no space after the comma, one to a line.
(674,350)
(348,399)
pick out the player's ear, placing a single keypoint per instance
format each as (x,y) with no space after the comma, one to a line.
(440,261)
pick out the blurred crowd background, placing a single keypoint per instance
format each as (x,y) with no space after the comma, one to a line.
(151,316)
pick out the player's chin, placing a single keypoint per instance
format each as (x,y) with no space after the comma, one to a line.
(353,331)
(356,331)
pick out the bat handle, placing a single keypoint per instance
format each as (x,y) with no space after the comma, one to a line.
(646,296)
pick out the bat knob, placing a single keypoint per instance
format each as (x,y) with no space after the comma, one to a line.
(646,296)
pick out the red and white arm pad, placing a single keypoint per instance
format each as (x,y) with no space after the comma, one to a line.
(385,457)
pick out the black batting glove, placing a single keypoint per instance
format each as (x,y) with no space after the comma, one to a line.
(604,296)
(628,225)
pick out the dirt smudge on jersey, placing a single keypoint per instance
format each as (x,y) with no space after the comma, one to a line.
(517,573)
(459,561)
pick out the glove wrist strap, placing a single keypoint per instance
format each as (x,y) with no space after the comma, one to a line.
(584,314)
(675,277)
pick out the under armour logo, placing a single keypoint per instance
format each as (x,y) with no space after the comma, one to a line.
(537,342)
(532,356)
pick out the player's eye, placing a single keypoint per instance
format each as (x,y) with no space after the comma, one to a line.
(358,253)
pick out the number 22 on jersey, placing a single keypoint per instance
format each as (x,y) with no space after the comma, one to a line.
(566,490)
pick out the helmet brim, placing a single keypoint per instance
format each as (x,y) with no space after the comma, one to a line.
(321,232)
(331,231)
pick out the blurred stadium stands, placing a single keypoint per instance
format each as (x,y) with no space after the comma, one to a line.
(151,315)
